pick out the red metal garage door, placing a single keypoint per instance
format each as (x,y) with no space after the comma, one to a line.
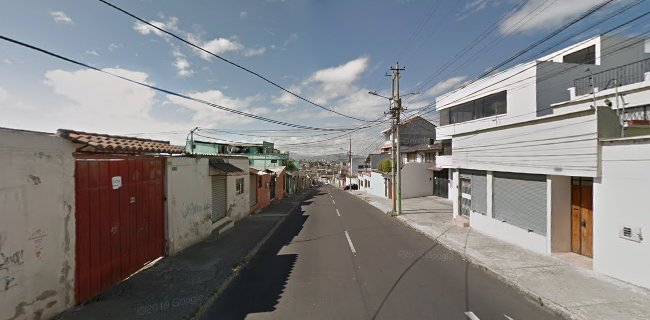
(119,227)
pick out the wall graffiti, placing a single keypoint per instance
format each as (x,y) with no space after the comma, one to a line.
(7,281)
(37,240)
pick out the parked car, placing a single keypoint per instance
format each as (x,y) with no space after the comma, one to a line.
(355,186)
(346,187)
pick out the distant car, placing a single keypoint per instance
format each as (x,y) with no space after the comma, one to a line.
(355,186)
(346,187)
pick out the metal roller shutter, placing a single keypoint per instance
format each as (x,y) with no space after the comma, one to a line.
(479,192)
(218,197)
(520,200)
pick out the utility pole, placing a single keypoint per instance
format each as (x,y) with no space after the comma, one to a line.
(393,162)
(350,161)
(397,109)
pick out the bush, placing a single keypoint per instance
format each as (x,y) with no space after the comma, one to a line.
(384,165)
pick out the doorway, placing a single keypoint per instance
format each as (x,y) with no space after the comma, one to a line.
(582,216)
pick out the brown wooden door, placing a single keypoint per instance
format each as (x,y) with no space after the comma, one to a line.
(582,216)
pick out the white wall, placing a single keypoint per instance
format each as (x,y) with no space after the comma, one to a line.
(37,225)
(238,204)
(508,233)
(189,202)
(552,145)
(377,184)
(417,181)
(521,99)
(621,198)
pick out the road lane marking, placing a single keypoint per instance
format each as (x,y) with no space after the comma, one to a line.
(350,242)
(337,212)
(333,201)
(471,316)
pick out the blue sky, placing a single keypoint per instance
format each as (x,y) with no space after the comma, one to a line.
(332,52)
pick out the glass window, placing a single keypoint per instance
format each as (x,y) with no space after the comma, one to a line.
(584,56)
(239,186)
(444,117)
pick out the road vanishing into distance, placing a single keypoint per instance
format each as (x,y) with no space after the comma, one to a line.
(338,257)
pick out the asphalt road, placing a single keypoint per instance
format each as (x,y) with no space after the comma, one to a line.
(338,257)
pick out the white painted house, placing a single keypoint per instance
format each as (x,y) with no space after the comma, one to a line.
(535,163)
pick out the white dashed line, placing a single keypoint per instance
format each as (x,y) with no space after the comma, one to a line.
(337,212)
(334,202)
(350,242)
(471,316)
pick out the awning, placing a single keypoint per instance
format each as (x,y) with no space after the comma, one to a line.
(227,168)
(434,168)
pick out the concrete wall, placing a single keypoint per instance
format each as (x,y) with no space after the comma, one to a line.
(238,206)
(377,184)
(37,225)
(621,199)
(280,180)
(263,193)
(417,181)
(553,145)
(189,202)
(508,233)
(559,203)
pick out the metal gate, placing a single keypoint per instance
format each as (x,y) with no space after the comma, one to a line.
(119,219)
(218,197)
(273,186)
(440,187)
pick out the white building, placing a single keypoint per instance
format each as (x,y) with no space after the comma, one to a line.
(534,163)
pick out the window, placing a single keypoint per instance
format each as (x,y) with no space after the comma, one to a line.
(239,186)
(584,56)
(429,157)
(480,108)
(411,157)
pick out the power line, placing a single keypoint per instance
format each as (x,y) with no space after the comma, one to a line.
(228,61)
(213,105)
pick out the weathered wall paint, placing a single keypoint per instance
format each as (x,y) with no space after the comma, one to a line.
(263,192)
(37,256)
(238,205)
(189,202)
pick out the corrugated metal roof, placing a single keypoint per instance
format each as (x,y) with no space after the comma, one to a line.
(122,144)
(228,168)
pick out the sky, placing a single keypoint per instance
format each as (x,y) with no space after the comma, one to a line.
(330,52)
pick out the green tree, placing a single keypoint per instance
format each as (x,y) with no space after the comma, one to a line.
(291,165)
(384,165)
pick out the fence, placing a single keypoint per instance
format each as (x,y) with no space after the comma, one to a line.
(623,75)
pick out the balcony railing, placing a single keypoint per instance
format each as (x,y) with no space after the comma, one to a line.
(623,75)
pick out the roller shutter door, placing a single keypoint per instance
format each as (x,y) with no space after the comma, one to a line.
(218,197)
(520,200)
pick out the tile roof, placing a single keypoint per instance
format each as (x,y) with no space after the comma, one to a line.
(122,144)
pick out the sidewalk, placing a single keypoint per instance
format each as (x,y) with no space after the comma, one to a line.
(177,286)
(568,290)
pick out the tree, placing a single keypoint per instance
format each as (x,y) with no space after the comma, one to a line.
(384,165)
(291,165)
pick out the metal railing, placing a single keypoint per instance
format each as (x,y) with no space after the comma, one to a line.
(623,75)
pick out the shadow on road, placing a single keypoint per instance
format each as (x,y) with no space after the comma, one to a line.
(259,286)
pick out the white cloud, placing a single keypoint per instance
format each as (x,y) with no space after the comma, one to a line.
(92,53)
(337,81)
(476,5)
(206,116)
(7,61)
(219,46)
(61,17)
(182,65)
(545,16)
(113,46)
(243,14)
(3,95)
(444,86)
(286,99)
(145,29)
(255,52)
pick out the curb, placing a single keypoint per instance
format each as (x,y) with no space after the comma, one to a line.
(550,305)
(200,311)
